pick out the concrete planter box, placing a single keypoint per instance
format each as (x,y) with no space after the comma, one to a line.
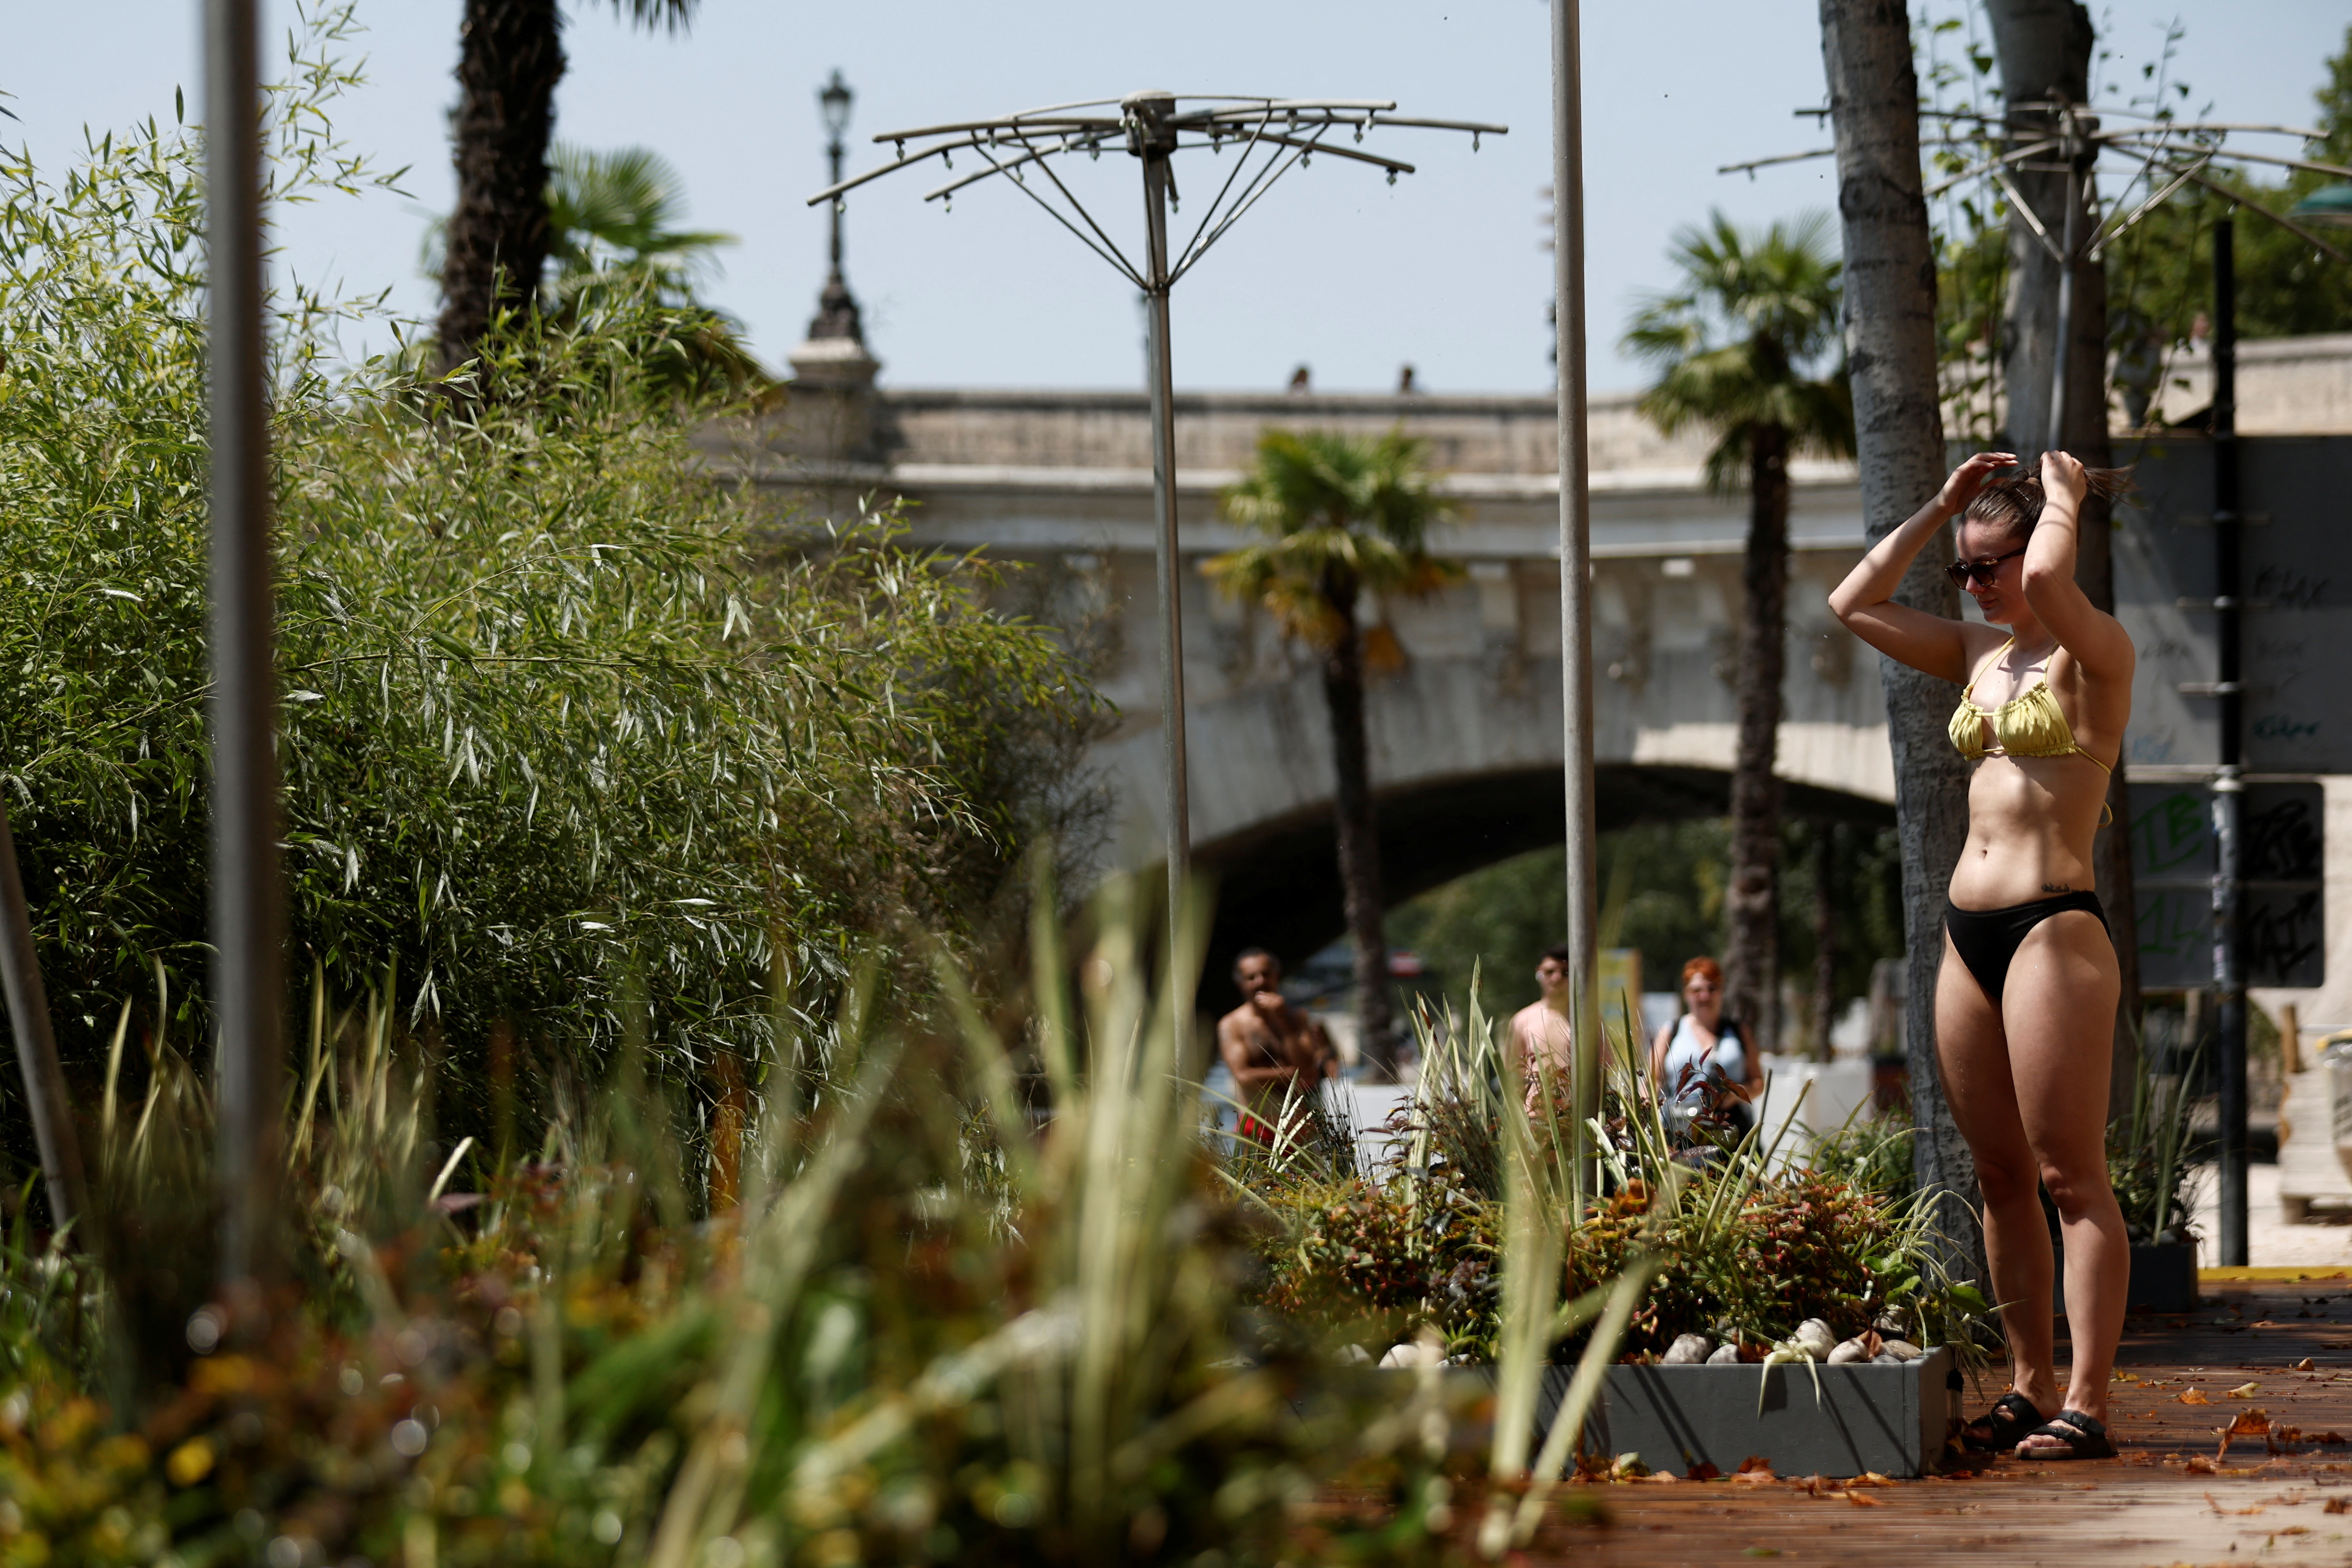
(2163,1278)
(1892,1419)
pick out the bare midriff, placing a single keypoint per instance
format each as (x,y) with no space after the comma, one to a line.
(2031,823)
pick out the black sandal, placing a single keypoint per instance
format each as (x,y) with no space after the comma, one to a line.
(2086,1440)
(2013,1415)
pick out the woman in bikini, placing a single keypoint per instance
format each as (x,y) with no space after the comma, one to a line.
(2025,1007)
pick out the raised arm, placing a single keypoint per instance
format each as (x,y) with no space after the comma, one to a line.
(1864,603)
(1234,1046)
(2096,639)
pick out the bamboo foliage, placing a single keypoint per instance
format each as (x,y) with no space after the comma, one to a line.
(557,698)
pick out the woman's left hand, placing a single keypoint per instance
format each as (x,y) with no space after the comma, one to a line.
(2063,476)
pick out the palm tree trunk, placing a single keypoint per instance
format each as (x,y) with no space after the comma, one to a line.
(510,56)
(1359,846)
(2045,46)
(1890,305)
(1751,969)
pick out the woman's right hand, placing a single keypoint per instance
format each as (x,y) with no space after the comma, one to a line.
(1970,478)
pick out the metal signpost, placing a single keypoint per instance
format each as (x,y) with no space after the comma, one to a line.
(1268,137)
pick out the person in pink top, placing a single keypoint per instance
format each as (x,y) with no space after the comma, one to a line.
(1542,1037)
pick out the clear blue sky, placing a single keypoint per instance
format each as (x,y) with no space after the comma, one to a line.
(1336,269)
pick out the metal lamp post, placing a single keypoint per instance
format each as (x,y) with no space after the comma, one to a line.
(836,312)
(1270,136)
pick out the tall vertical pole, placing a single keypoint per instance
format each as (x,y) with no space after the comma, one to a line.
(1154,141)
(2229,975)
(833,153)
(2055,440)
(248,921)
(36,1047)
(1575,554)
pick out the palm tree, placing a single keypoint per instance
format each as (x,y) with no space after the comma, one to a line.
(612,219)
(1343,517)
(1734,344)
(610,215)
(510,56)
(1890,304)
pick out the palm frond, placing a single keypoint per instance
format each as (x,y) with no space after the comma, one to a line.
(1341,516)
(669,15)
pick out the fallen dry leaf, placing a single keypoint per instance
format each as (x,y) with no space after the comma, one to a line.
(2338,1505)
(1862,1499)
(2247,1423)
(1702,1472)
(2194,1396)
(1754,1478)
(1754,1462)
(2245,1391)
(2303,1365)
(2198,1465)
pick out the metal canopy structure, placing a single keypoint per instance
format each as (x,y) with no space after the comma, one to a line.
(2062,137)
(1268,138)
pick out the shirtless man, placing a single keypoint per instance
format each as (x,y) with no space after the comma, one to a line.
(1541,1032)
(1269,1045)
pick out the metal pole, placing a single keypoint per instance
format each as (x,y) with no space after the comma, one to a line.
(2062,349)
(833,153)
(1575,555)
(37,1047)
(2228,977)
(1154,142)
(248,921)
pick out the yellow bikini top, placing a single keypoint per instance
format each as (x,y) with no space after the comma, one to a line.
(2029,725)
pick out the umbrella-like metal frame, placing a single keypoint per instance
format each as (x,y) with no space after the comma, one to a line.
(1268,138)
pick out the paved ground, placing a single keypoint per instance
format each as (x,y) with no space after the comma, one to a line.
(2165,1502)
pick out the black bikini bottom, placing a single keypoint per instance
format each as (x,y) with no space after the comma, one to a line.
(1987,940)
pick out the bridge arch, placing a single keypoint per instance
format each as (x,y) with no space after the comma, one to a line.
(1275,886)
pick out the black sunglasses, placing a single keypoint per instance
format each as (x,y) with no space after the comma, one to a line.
(1960,572)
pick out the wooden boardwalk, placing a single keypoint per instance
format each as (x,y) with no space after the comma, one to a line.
(2166,1501)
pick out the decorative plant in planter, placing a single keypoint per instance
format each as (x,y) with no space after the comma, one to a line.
(1745,1255)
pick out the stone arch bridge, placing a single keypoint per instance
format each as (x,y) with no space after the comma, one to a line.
(1466,737)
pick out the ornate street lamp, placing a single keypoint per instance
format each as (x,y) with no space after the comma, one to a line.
(836,309)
